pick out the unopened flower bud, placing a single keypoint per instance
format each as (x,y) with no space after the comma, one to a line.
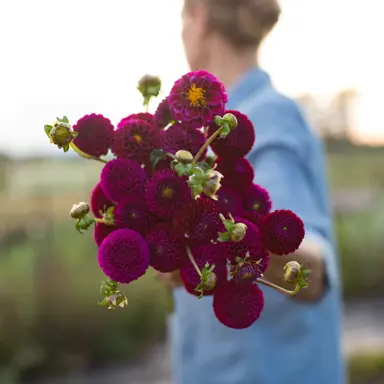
(238,233)
(116,300)
(149,86)
(291,272)
(231,120)
(218,119)
(211,282)
(212,184)
(79,210)
(184,157)
(61,134)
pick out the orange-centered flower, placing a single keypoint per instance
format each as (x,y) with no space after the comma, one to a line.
(196,96)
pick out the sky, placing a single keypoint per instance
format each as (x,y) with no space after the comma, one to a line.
(73,57)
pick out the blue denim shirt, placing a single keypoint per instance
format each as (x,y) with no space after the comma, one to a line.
(292,342)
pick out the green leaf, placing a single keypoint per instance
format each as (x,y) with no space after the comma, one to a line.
(66,148)
(155,156)
(182,169)
(48,129)
(65,119)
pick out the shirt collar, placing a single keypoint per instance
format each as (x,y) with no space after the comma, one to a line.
(251,81)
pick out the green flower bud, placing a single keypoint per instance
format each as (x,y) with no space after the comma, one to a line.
(212,184)
(79,210)
(184,157)
(230,120)
(291,272)
(238,232)
(149,86)
(210,282)
(61,134)
(218,120)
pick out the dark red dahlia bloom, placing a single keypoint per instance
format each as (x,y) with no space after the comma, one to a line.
(136,139)
(181,136)
(282,232)
(229,201)
(213,254)
(240,140)
(99,202)
(254,217)
(251,243)
(167,251)
(251,267)
(165,193)
(198,221)
(163,116)
(238,306)
(120,177)
(256,198)
(124,256)
(238,174)
(102,231)
(95,135)
(196,98)
(132,212)
(144,116)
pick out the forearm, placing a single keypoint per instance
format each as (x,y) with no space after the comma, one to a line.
(310,252)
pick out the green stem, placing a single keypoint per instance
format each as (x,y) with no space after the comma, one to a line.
(105,222)
(278,288)
(85,155)
(171,155)
(193,261)
(205,146)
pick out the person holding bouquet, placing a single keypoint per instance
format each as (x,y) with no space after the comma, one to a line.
(295,340)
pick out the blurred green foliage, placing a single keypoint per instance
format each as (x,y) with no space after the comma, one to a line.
(49,277)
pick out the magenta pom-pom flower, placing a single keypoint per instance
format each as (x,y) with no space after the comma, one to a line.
(163,116)
(145,116)
(213,254)
(94,135)
(238,306)
(239,141)
(124,256)
(256,198)
(196,98)
(199,221)
(282,232)
(102,231)
(121,177)
(250,244)
(132,212)
(238,174)
(99,203)
(136,139)
(167,251)
(183,137)
(229,201)
(165,193)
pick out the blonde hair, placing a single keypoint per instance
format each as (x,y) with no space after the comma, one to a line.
(244,23)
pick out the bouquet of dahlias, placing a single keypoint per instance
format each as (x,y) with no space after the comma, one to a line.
(164,202)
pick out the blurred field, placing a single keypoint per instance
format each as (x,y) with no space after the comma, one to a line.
(49,279)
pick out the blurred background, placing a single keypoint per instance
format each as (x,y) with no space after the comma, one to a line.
(76,57)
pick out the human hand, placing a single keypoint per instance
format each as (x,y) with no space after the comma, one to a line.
(171,279)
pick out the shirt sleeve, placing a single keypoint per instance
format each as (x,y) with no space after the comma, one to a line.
(279,160)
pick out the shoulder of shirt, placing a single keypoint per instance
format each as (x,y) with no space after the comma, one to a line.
(277,119)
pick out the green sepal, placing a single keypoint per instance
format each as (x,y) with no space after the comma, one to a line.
(205,275)
(48,129)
